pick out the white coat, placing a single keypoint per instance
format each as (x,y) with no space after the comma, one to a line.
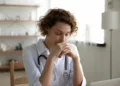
(33,69)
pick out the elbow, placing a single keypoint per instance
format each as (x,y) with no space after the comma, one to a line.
(78,83)
(44,83)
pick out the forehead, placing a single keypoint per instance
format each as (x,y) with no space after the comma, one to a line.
(62,27)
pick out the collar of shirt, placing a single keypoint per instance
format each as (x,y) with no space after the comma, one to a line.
(41,48)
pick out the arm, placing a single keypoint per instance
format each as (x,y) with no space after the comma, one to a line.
(31,70)
(35,78)
(77,74)
(46,75)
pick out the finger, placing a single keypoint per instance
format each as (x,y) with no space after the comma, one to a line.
(66,47)
(62,45)
(61,54)
(64,51)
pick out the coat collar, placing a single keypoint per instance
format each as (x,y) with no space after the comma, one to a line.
(41,48)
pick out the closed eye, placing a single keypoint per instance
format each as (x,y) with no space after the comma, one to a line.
(58,33)
(67,34)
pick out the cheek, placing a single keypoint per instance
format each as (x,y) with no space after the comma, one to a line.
(56,39)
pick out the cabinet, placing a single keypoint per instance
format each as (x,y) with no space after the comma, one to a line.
(18,23)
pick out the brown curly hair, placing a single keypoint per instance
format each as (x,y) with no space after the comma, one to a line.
(56,15)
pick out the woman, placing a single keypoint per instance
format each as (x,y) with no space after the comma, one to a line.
(52,61)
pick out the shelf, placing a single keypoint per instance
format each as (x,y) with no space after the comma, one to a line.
(19,5)
(18,36)
(17,65)
(11,51)
(4,67)
(18,20)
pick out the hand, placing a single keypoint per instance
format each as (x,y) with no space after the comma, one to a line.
(56,50)
(68,51)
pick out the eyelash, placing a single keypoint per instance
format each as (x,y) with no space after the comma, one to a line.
(67,34)
(60,34)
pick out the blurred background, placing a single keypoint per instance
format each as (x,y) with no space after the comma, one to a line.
(18,28)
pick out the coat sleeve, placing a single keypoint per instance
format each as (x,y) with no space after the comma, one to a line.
(32,72)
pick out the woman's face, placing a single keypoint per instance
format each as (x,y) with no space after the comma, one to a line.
(60,32)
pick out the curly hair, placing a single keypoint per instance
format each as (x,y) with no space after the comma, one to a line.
(56,15)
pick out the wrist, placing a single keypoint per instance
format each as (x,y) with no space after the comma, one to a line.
(51,57)
(75,59)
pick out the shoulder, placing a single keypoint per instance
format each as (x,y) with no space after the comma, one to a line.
(32,46)
(29,52)
(29,48)
(72,43)
(74,47)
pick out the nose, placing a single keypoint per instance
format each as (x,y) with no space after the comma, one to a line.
(63,38)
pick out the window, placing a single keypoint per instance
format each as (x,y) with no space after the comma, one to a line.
(88,15)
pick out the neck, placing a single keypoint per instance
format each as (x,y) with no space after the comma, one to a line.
(47,43)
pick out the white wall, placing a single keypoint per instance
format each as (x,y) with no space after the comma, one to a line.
(115,43)
(116,46)
(96,60)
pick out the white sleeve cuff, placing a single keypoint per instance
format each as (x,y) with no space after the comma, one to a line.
(37,83)
(84,83)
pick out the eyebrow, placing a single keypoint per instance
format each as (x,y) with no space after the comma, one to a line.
(61,31)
